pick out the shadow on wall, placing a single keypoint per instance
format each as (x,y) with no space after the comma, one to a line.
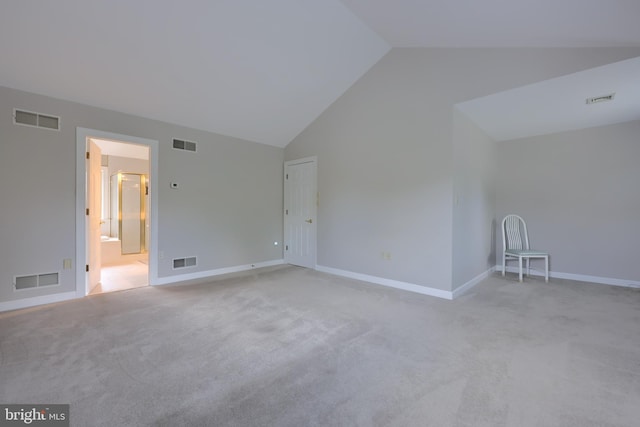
(491,259)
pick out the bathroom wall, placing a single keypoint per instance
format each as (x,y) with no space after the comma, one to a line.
(112,249)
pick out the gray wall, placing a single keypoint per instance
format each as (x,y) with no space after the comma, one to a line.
(386,162)
(227,212)
(578,193)
(474,167)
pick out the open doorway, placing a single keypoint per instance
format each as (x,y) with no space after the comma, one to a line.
(124,224)
(116,212)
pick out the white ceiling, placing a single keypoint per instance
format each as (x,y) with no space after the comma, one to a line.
(263,70)
(253,69)
(559,104)
(502,23)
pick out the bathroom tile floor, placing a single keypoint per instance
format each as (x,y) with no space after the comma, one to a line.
(121,277)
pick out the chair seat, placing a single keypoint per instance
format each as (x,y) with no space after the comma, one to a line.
(525,252)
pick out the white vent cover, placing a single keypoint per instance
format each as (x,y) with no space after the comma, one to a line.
(35,281)
(603,98)
(184,262)
(29,118)
(181,144)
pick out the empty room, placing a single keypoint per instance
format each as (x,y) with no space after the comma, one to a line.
(335,213)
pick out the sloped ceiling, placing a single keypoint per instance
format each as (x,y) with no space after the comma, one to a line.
(502,23)
(559,104)
(263,70)
(253,69)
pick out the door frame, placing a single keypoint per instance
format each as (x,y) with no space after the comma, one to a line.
(314,160)
(81,195)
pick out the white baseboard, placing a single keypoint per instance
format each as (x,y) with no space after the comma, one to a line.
(217,272)
(33,301)
(388,282)
(577,277)
(471,283)
(48,299)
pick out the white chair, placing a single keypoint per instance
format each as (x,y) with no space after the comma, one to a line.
(515,245)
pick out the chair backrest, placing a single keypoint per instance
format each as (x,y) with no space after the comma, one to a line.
(514,233)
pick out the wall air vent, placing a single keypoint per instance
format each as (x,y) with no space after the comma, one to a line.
(180,144)
(603,98)
(29,118)
(35,281)
(184,262)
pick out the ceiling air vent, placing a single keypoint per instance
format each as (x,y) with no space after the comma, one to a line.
(603,98)
(29,118)
(180,144)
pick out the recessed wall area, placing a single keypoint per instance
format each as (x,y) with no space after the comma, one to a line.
(577,190)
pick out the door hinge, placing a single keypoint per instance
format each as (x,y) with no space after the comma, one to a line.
(287,176)
(286,211)
(87,211)
(86,268)
(88,155)
(286,247)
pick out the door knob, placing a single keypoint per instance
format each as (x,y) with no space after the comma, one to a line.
(308,220)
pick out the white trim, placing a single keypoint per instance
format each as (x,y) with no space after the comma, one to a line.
(65,296)
(217,272)
(411,287)
(579,277)
(33,301)
(81,190)
(310,159)
(471,283)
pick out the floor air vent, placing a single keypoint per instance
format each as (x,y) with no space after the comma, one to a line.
(184,262)
(180,144)
(35,281)
(29,118)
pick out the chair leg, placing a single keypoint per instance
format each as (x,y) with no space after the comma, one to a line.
(546,268)
(520,266)
(528,269)
(504,261)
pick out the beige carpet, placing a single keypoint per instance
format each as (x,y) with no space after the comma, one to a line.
(294,347)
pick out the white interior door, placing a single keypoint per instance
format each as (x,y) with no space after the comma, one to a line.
(300,205)
(94,204)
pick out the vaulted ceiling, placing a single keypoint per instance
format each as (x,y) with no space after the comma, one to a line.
(263,70)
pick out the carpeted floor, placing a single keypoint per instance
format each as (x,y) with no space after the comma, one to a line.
(295,347)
